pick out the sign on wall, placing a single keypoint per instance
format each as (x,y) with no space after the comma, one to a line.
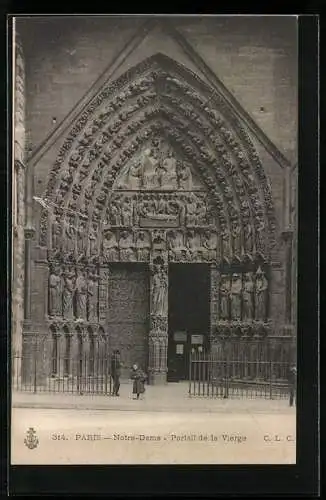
(180,336)
(179,348)
(197,339)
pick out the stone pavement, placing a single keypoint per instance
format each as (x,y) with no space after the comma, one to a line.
(171,397)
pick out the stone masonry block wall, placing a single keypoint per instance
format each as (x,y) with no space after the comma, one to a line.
(254,58)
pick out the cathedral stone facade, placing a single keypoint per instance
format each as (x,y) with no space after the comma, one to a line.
(151,166)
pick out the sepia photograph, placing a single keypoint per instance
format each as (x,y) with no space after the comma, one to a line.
(154,239)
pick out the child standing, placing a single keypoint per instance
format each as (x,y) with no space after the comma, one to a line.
(139,378)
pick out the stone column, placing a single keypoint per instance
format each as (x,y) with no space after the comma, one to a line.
(214,301)
(61,354)
(158,335)
(103,298)
(74,354)
(86,353)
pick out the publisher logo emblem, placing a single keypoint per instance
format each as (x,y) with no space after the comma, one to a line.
(31,439)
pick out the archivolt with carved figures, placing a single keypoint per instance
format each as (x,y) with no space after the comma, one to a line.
(155,117)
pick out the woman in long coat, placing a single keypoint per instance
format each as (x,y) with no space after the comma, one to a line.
(139,377)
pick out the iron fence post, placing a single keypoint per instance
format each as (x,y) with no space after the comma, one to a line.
(190,361)
(35,369)
(270,379)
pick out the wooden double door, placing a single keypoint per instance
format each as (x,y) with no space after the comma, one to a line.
(128,314)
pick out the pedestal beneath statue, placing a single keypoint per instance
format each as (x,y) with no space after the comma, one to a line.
(157,378)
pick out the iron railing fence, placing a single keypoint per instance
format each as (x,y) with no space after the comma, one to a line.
(225,377)
(83,375)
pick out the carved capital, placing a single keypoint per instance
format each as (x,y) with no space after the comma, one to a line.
(29,233)
(159,324)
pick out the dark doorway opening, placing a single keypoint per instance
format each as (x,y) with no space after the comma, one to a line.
(189,314)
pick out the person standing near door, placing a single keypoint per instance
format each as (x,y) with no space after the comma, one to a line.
(139,378)
(116,371)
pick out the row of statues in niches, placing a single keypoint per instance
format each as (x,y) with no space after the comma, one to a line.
(243,295)
(73,293)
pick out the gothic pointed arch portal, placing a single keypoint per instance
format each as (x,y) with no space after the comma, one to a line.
(157,169)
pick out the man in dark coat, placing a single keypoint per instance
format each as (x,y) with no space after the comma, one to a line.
(116,371)
(292,384)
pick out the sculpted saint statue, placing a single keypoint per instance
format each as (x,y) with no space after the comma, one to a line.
(259,235)
(92,240)
(149,167)
(134,176)
(159,293)
(200,215)
(92,297)
(225,241)
(110,247)
(261,287)
(236,289)
(236,238)
(143,246)
(56,234)
(127,212)
(81,295)
(160,205)
(210,244)
(168,174)
(194,244)
(225,286)
(69,233)
(247,296)
(81,237)
(126,246)
(191,211)
(55,304)
(68,291)
(115,213)
(176,245)
(248,237)
(185,177)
